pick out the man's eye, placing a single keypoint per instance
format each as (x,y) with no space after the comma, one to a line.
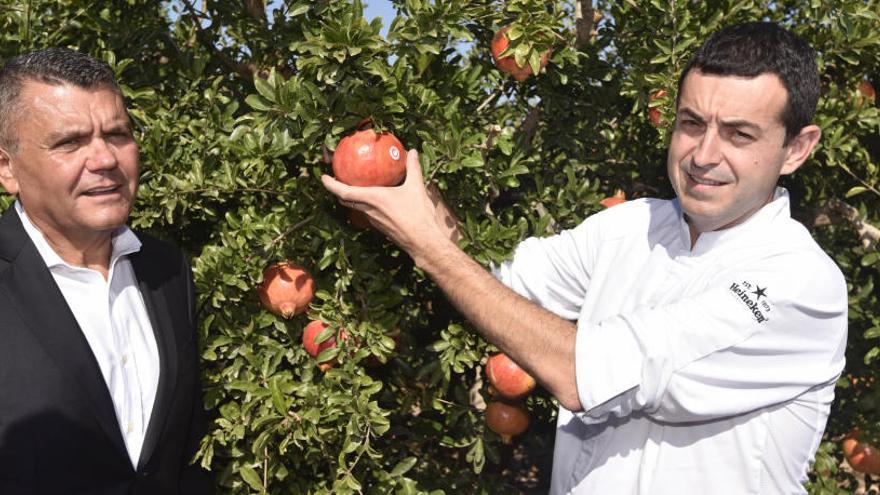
(743,136)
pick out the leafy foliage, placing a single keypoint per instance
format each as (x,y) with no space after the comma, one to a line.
(235,103)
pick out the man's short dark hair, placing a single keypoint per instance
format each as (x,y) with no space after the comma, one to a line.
(755,48)
(55,66)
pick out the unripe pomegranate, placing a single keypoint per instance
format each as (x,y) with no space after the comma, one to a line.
(654,113)
(861,456)
(618,197)
(507,419)
(511,381)
(287,289)
(310,333)
(507,64)
(368,158)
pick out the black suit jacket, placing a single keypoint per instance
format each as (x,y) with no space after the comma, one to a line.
(58,428)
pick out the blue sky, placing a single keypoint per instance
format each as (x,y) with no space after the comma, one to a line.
(380,8)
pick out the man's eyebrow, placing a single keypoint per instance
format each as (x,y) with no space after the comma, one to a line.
(687,112)
(741,123)
(735,123)
(63,135)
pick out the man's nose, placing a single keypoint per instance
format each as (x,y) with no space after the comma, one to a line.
(101,155)
(708,150)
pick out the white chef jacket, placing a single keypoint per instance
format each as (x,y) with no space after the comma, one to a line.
(700,370)
(113,318)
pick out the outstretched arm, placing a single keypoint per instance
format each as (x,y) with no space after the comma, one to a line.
(536,339)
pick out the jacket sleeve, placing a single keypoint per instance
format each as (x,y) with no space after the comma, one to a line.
(756,336)
(554,272)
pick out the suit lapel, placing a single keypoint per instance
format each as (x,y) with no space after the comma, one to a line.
(163,329)
(39,301)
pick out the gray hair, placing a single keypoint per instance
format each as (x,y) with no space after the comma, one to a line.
(54,66)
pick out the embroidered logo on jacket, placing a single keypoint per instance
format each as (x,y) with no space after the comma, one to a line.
(754,297)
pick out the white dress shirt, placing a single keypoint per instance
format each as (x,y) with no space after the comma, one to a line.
(113,318)
(700,370)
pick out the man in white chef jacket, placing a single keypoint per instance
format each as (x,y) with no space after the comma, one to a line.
(694,343)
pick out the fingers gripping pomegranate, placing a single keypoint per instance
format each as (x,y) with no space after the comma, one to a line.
(507,378)
(287,289)
(368,158)
(507,419)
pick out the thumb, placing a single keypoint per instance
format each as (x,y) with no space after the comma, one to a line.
(413,167)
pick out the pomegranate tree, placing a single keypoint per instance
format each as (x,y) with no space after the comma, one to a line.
(507,378)
(287,289)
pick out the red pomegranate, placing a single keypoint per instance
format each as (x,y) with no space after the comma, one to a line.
(867,90)
(507,64)
(310,332)
(618,197)
(861,456)
(508,379)
(507,419)
(368,158)
(654,113)
(287,289)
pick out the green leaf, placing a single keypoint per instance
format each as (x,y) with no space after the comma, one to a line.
(251,477)
(403,467)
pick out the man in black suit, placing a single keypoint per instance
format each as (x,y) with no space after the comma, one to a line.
(100,387)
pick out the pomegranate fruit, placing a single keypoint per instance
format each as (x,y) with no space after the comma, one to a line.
(508,379)
(618,197)
(654,113)
(287,289)
(507,64)
(507,419)
(368,158)
(867,90)
(861,456)
(310,333)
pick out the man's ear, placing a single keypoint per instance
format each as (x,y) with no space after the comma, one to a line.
(7,174)
(800,148)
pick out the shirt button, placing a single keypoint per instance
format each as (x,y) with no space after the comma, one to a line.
(129,427)
(125,359)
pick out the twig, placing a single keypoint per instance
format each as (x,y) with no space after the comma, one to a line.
(265,469)
(491,97)
(282,236)
(869,235)
(247,71)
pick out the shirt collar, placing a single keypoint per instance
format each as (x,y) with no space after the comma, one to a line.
(778,207)
(123,242)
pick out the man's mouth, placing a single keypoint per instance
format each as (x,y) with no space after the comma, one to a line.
(100,191)
(704,181)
